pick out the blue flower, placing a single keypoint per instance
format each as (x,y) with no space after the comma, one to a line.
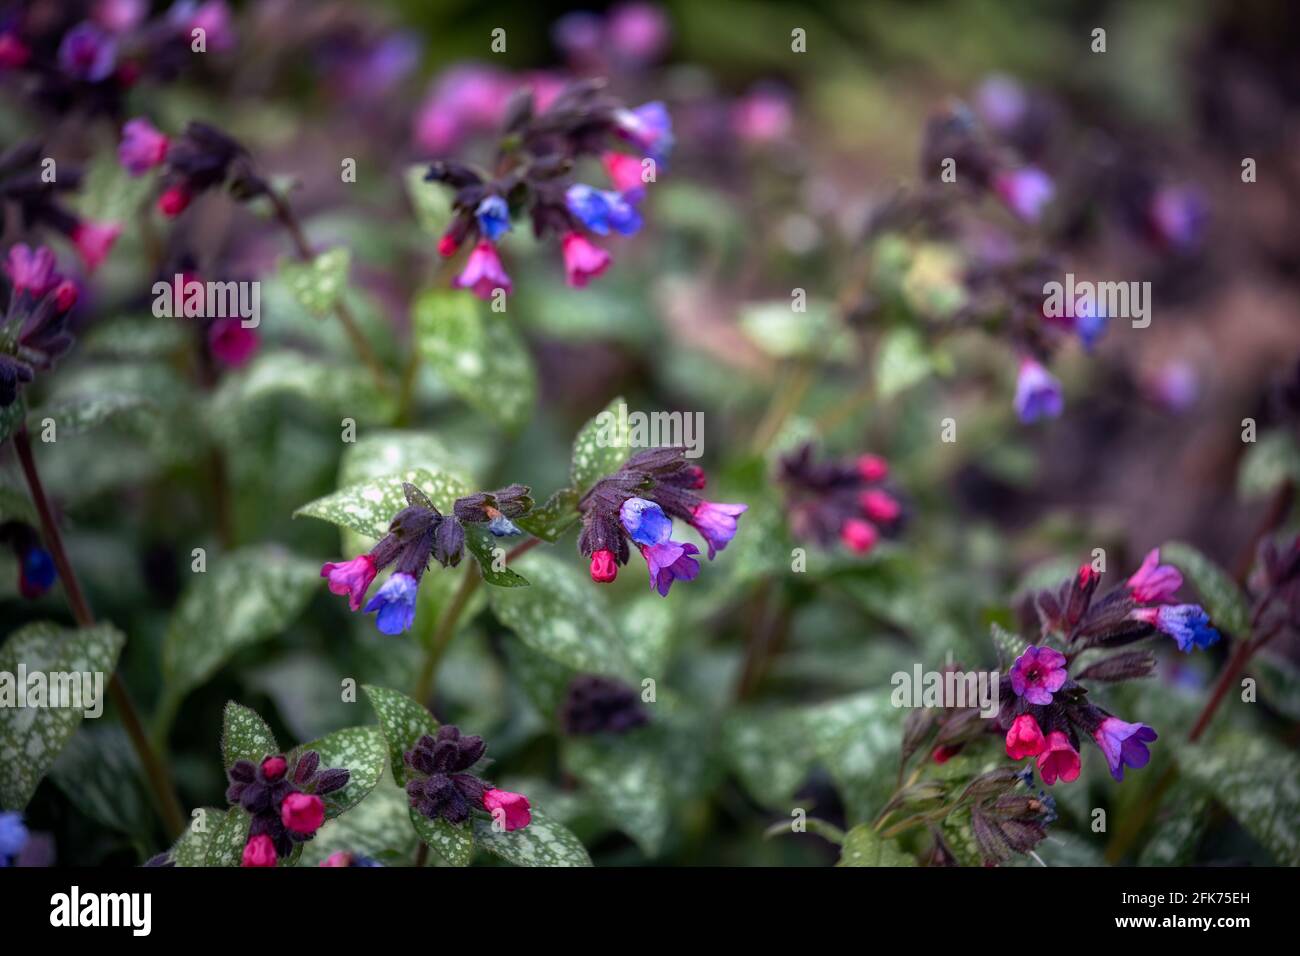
(493,218)
(650,127)
(601,210)
(395,602)
(1090,324)
(13,837)
(645,522)
(1188,624)
(503,527)
(37,573)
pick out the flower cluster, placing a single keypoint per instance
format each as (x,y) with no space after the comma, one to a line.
(36,571)
(418,534)
(600,705)
(441,785)
(284,802)
(533,179)
(201,158)
(844,500)
(34,331)
(23,187)
(636,505)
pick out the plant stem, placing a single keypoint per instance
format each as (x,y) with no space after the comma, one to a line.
(168,806)
(785,399)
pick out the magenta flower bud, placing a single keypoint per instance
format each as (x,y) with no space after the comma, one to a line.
(1059,760)
(65,295)
(302,813)
(1038,673)
(31,270)
(174,201)
(231,343)
(14,53)
(880,507)
(1024,191)
(859,536)
(352,578)
(483,273)
(273,767)
(1153,582)
(583,260)
(511,808)
(872,468)
(716,523)
(142,148)
(94,240)
(259,851)
(604,568)
(637,32)
(763,116)
(1025,738)
(624,172)
(342,858)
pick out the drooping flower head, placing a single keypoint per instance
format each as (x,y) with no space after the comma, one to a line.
(602,210)
(94,240)
(1124,744)
(1038,393)
(1188,624)
(484,272)
(583,260)
(1038,673)
(668,562)
(716,523)
(13,837)
(1058,760)
(493,217)
(395,602)
(1024,191)
(231,342)
(1025,738)
(143,147)
(509,810)
(1153,582)
(649,127)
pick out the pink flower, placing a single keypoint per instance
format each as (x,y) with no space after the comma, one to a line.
(511,808)
(1024,191)
(352,578)
(583,261)
(872,468)
(1059,759)
(273,767)
(93,241)
(341,858)
(1038,673)
(624,171)
(1153,582)
(142,147)
(1124,744)
(13,52)
(31,270)
(1025,739)
(859,536)
(65,295)
(174,201)
(880,507)
(302,812)
(212,17)
(603,566)
(259,851)
(637,32)
(763,116)
(945,753)
(484,273)
(232,344)
(716,523)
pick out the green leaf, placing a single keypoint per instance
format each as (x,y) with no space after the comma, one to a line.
(1267,463)
(483,544)
(11,416)
(477,354)
(245,736)
(192,848)
(379,826)
(242,598)
(77,414)
(317,285)
(543,842)
(1257,781)
(453,842)
(901,362)
(767,751)
(226,845)
(363,752)
(550,520)
(562,616)
(781,332)
(402,721)
(99,773)
(16,506)
(1009,646)
(1177,830)
(432,201)
(863,846)
(32,736)
(1221,596)
(368,507)
(632,779)
(1279,681)
(600,448)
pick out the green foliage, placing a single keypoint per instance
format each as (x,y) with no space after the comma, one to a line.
(245,736)
(318,285)
(1221,597)
(863,846)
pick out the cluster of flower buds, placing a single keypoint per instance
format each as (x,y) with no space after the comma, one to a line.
(420,533)
(34,331)
(284,802)
(1004,819)
(201,158)
(534,180)
(844,500)
(600,705)
(442,786)
(636,505)
(24,188)
(1045,711)
(36,572)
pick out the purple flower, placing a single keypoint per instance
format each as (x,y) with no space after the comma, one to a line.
(31,270)
(484,273)
(1090,324)
(1177,217)
(1024,191)
(638,32)
(1002,102)
(36,573)
(142,147)
(669,562)
(1124,744)
(13,836)
(395,602)
(1038,673)
(1153,582)
(493,218)
(601,210)
(1038,393)
(645,522)
(1188,624)
(351,578)
(649,127)
(87,53)
(716,523)
(212,17)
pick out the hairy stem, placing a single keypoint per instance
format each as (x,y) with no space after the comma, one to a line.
(159,780)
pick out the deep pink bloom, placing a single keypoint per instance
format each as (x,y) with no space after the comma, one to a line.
(1153,582)
(31,270)
(716,523)
(232,344)
(13,52)
(637,32)
(213,17)
(872,468)
(1038,673)
(174,200)
(945,753)
(143,147)
(302,812)
(352,578)
(624,171)
(603,566)
(447,246)
(259,851)
(273,767)
(1059,759)
(764,115)
(514,809)
(669,562)
(94,240)
(1025,738)
(65,295)
(1124,744)
(583,260)
(1024,191)
(483,273)
(858,535)
(341,858)
(118,16)
(880,507)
